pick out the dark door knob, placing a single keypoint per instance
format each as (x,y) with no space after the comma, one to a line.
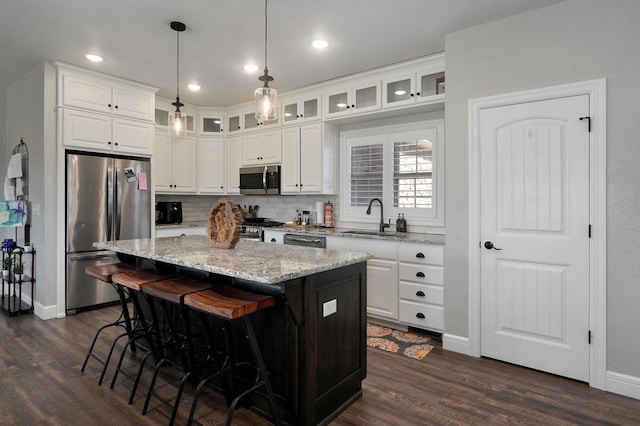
(489,245)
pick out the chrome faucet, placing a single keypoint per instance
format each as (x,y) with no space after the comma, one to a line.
(382,224)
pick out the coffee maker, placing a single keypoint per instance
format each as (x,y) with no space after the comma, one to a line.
(168,212)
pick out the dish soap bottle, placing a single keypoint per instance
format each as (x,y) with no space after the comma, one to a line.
(401,223)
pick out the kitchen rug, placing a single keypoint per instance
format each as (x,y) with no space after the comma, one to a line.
(411,344)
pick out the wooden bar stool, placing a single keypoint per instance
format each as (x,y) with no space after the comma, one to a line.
(168,295)
(232,304)
(133,282)
(105,273)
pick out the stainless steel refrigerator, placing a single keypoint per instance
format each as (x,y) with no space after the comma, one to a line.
(106,200)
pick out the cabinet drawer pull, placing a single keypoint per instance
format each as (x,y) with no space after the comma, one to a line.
(420,256)
(420,274)
(420,293)
(420,315)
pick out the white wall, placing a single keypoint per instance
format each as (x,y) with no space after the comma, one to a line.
(573,41)
(31,116)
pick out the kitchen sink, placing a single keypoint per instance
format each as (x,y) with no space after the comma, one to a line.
(364,232)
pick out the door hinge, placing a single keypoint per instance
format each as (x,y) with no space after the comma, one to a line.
(589,336)
(588,122)
(589,230)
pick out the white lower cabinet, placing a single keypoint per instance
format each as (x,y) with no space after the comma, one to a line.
(405,281)
(421,285)
(382,273)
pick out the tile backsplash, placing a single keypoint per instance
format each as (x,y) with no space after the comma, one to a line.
(280,208)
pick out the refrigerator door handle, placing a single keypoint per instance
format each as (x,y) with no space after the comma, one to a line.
(109,188)
(118,201)
(91,256)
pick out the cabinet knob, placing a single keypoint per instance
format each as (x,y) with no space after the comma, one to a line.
(411,95)
(353,106)
(420,255)
(420,315)
(420,293)
(300,185)
(348,106)
(108,142)
(420,274)
(109,105)
(296,185)
(417,93)
(116,106)
(221,187)
(301,115)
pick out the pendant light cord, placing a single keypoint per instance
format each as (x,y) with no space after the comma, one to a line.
(178,64)
(265,35)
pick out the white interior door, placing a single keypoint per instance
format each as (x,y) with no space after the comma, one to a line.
(535,213)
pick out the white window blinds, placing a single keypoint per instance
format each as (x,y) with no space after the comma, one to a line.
(366,173)
(412,174)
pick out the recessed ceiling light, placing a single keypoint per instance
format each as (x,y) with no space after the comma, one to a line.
(251,68)
(194,87)
(400,92)
(320,43)
(94,58)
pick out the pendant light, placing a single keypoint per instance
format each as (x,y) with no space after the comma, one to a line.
(178,118)
(266,97)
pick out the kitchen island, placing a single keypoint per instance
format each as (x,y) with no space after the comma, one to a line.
(313,340)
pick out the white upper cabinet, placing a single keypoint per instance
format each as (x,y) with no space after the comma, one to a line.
(103,113)
(421,85)
(233,155)
(358,98)
(175,163)
(235,119)
(210,123)
(211,165)
(309,159)
(262,148)
(88,130)
(107,96)
(301,108)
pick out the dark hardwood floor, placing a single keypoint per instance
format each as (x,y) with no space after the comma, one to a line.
(41,383)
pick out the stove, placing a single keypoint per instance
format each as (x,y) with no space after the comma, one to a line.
(253,230)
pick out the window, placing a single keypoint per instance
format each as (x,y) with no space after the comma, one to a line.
(412,174)
(397,164)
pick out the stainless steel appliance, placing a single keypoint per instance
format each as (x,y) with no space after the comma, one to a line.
(254,229)
(262,180)
(305,241)
(168,212)
(105,201)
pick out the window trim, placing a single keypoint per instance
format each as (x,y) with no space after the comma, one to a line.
(388,134)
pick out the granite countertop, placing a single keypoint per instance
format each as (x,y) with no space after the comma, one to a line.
(250,260)
(412,237)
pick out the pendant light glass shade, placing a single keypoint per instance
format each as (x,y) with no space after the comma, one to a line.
(266,102)
(266,98)
(178,121)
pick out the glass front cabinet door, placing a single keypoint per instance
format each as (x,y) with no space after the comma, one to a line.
(300,109)
(210,123)
(425,84)
(355,99)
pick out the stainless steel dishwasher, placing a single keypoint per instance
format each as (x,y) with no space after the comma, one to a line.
(305,241)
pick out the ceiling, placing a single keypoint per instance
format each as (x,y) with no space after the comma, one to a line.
(137,43)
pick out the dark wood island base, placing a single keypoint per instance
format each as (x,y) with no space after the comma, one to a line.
(313,340)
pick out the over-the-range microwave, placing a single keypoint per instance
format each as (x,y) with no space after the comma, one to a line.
(260,180)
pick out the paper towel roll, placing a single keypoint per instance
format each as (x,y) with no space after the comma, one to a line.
(320,212)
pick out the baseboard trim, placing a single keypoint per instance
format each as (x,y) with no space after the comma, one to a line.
(455,343)
(623,384)
(45,312)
